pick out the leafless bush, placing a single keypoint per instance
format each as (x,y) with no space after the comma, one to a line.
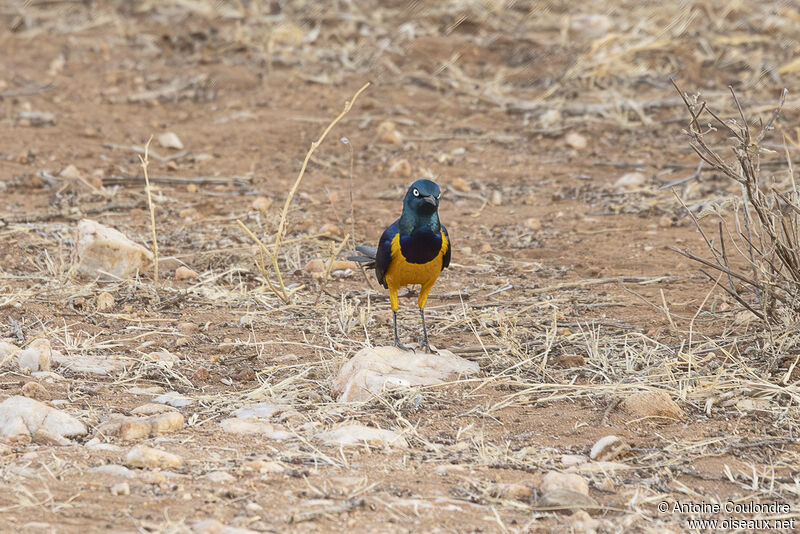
(757,251)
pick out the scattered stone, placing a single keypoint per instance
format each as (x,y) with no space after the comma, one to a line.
(575,140)
(121,488)
(566,500)
(164,356)
(652,404)
(170,140)
(152,408)
(71,172)
(401,168)
(263,410)
(387,133)
(142,456)
(554,480)
(185,273)
(201,374)
(36,118)
(220,477)
(568,460)
(264,466)
(517,492)
(7,351)
(252,425)
(261,204)
(496,198)
(101,251)
(23,419)
(460,184)
(188,328)
(355,434)
(132,428)
(590,24)
(582,523)
(533,224)
(114,470)
(317,267)
(37,356)
(34,390)
(173,398)
(374,370)
(105,302)
(630,181)
(93,365)
(608,448)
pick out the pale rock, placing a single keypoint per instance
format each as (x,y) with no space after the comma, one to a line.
(329,229)
(374,370)
(517,492)
(550,117)
(164,356)
(36,356)
(23,419)
(121,488)
(220,477)
(261,204)
(496,198)
(113,470)
(105,302)
(7,351)
(554,480)
(566,500)
(170,140)
(460,184)
(387,133)
(533,224)
(266,410)
(152,408)
(608,448)
(100,250)
(575,140)
(131,428)
(590,25)
(252,425)
(600,466)
(71,172)
(568,460)
(34,390)
(264,466)
(355,434)
(173,398)
(317,267)
(143,456)
(631,180)
(185,273)
(401,168)
(93,365)
(656,405)
(582,523)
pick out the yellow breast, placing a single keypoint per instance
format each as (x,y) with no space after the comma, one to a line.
(402,273)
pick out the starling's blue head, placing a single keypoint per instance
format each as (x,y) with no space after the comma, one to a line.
(420,206)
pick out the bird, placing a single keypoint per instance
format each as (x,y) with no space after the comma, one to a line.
(414,249)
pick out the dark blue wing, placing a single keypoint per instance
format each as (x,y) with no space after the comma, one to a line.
(446,258)
(383,257)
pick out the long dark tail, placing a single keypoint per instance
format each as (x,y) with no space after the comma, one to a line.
(367,257)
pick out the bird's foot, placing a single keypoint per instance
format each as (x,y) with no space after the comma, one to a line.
(403,347)
(427,346)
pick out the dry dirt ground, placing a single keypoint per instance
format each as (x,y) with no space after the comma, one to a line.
(562,287)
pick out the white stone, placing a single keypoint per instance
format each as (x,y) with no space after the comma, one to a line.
(23,419)
(374,370)
(220,477)
(37,356)
(631,180)
(356,434)
(114,470)
(575,140)
(212,526)
(7,351)
(170,140)
(554,480)
(101,251)
(121,488)
(92,365)
(142,456)
(173,398)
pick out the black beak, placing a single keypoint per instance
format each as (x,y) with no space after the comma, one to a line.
(431,200)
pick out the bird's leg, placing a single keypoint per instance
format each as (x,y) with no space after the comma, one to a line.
(397,339)
(425,334)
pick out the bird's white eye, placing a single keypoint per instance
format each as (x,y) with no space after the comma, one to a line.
(438,196)
(416,192)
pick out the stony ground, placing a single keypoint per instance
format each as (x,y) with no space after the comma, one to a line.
(555,135)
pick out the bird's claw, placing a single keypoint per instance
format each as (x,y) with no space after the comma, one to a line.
(403,347)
